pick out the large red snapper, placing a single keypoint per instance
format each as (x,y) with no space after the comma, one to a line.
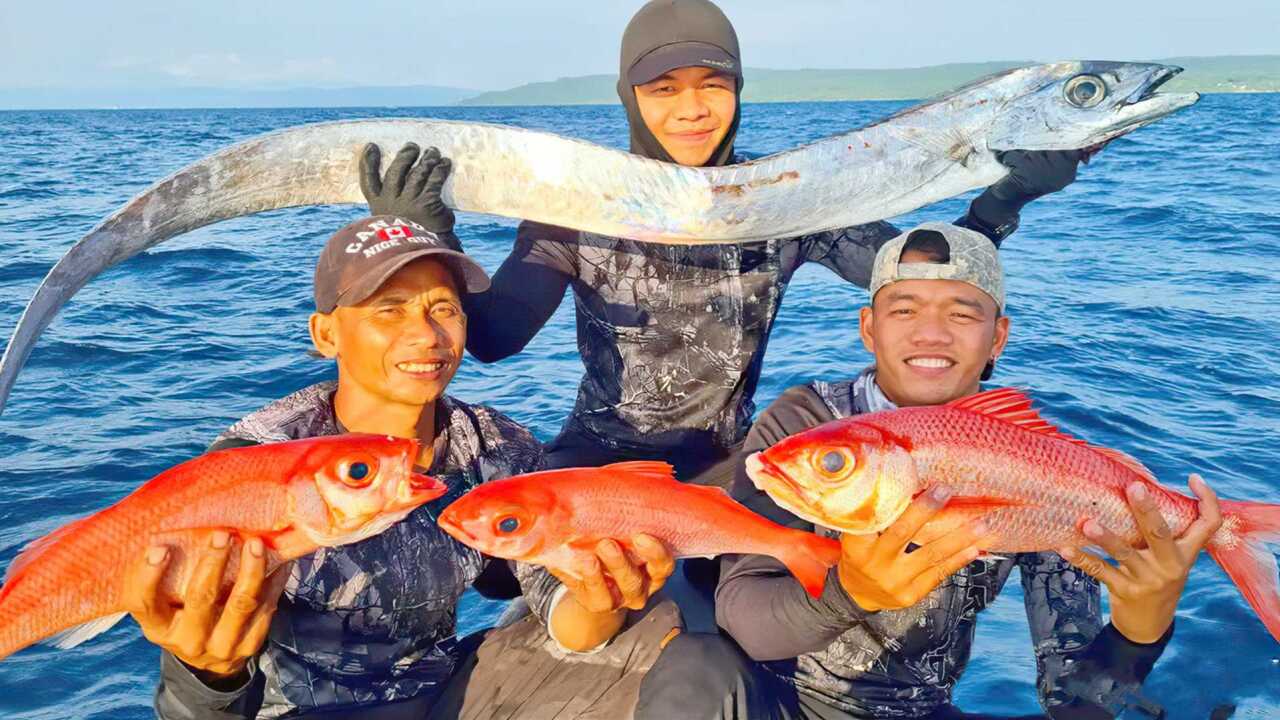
(299,496)
(555,519)
(1033,484)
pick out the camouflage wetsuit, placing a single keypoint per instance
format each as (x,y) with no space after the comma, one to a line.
(372,623)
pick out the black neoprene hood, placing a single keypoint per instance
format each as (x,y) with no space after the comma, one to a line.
(668,34)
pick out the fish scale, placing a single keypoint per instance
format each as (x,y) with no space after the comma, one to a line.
(916,157)
(71,577)
(560,516)
(1033,485)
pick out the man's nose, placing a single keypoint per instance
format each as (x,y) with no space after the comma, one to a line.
(423,330)
(689,105)
(931,331)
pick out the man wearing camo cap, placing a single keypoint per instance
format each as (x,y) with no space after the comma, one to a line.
(893,630)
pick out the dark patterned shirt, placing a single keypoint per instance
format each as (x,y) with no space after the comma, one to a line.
(672,337)
(905,663)
(371,622)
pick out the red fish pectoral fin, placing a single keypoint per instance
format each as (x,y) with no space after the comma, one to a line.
(809,557)
(980,503)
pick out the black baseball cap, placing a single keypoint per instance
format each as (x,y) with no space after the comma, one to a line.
(360,257)
(668,34)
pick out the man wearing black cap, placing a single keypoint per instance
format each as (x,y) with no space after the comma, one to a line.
(368,629)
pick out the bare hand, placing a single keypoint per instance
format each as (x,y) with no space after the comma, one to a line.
(1147,582)
(878,573)
(612,580)
(200,629)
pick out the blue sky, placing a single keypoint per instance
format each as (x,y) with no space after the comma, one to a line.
(492,44)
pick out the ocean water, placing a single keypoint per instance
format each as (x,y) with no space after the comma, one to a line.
(1144,298)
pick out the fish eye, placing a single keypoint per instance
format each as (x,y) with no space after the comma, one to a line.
(1085,91)
(508,525)
(357,473)
(831,462)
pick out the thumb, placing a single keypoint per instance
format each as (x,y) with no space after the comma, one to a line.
(370,163)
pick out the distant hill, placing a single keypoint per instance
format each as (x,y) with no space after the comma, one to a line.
(170,97)
(1257,73)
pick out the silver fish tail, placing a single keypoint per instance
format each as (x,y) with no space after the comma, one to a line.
(927,153)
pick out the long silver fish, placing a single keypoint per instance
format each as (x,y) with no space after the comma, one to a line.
(921,155)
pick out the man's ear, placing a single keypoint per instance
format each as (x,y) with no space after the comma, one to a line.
(866,326)
(324,333)
(1001,337)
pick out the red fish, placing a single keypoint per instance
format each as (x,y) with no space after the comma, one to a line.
(299,496)
(1032,483)
(555,518)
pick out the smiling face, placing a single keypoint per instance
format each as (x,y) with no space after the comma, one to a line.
(931,338)
(689,110)
(402,344)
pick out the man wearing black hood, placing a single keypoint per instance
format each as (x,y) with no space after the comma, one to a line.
(672,337)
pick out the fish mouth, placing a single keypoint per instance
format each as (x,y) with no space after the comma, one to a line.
(426,487)
(454,529)
(759,467)
(1144,105)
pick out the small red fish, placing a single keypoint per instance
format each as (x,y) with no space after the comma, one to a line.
(298,496)
(555,518)
(1033,484)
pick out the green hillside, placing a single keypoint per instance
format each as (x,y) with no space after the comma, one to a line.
(1257,73)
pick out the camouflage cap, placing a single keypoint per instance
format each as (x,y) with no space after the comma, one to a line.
(973,259)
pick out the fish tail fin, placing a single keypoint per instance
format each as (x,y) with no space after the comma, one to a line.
(1243,547)
(809,557)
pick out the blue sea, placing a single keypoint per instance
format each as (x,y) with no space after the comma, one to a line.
(1144,298)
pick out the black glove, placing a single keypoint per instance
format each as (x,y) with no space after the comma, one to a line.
(1032,174)
(409,190)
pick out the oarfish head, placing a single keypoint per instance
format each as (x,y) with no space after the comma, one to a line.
(1069,105)
(845,475)
(351,487)
(513,518)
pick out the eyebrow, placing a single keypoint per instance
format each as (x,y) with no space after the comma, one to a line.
(976,305)
(392,298)
(668,77)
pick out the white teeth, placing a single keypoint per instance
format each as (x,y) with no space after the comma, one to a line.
(930,362)
(417,367)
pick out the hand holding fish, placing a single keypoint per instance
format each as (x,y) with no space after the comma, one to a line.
(411,187)
(613,579)
(877,572)
(611,582)
(1147,582)
(214,635)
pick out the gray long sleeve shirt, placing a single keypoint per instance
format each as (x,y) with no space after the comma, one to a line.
(905,663)
(373,622)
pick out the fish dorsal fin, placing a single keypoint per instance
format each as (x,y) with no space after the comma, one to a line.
(1011,405)
(647,469)
(34,549)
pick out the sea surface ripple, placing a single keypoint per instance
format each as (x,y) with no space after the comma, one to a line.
(1145,307)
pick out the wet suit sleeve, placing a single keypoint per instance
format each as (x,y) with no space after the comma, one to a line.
(758,602)
(849,252)
(183,696)
(523,294)
(1084,670)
